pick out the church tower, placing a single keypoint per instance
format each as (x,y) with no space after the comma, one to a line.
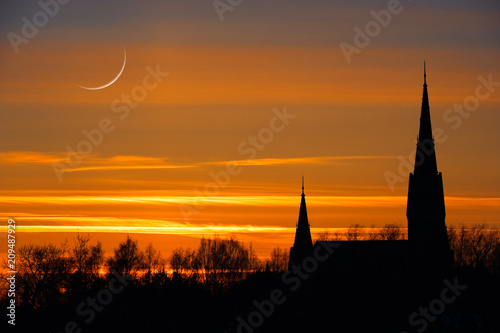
(427,235)
(302,246)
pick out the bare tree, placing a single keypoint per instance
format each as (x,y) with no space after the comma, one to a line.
(482,245)
(326,236)
(323,236)
(475,247)
(255,264)
(184,262)
(279,260)
(224,262)
(355,232)
(42,274)
(373,234)
(152,262)
(176,260)
(456,238)
(337,236)
(152,259)
(391,232)
(127,259)
(87,260)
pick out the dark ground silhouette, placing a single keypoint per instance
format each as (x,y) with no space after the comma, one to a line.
(326,295)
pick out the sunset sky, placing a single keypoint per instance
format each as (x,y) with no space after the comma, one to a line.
(267,91)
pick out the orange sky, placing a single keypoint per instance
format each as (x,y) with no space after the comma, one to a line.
(350,123)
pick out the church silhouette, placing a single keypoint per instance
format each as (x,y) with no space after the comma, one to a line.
(427,249)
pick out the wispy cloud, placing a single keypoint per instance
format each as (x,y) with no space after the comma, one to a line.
(29,157)
(127,167)
(338,201)
(95,163)
(214,200)
(47,223)
(300,160)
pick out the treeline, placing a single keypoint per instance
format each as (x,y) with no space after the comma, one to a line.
(217,263)
(476,247)
(210,287)
(51,274)
(223,262)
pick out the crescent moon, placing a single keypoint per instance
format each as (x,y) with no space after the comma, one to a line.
(112,81)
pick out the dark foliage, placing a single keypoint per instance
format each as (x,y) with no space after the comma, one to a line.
(61,290)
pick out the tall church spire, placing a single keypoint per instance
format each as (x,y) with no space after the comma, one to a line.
(425,210)
(425,159)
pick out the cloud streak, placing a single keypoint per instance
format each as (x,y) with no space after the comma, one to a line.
(261,201)
(141,162)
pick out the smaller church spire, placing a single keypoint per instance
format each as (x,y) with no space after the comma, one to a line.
(303,233)
(302,246)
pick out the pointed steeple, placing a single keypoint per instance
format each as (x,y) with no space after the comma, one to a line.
(303,234)
(427,236)
(425,159)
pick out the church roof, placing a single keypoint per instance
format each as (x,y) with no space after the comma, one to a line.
(369,256)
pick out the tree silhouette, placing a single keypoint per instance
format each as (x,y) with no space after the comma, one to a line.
(355,232)
(152,262)
(475,246)
(391,232)
(217,282)
(323,236)
(87,261)
(184,262)
(279,260)
(218,263)
(127,259)
(42,274)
